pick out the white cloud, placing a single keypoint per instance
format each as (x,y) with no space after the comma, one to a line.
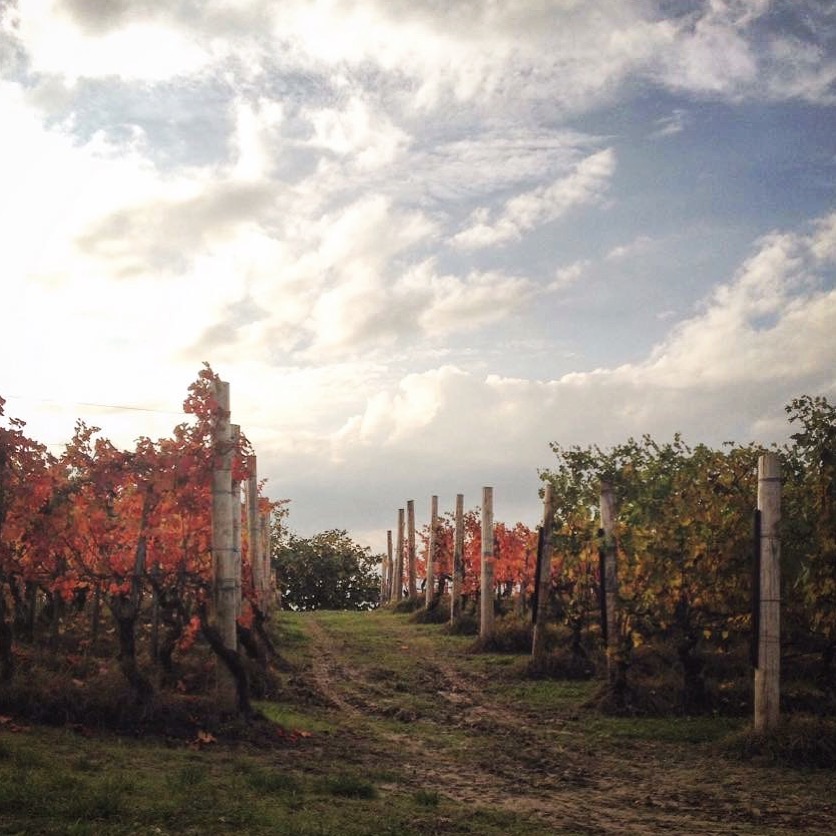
(256,133)
(586,184)
(369,139)
(670,125)
(762,338)
(572,55)
(637,246)
(452,304)
(138,48)
(566,276)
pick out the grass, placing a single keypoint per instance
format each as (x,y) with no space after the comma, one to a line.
(479,748)
(797,741)
(140,787)
(289,717)
(678,730)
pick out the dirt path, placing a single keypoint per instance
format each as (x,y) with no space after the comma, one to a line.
(444,730)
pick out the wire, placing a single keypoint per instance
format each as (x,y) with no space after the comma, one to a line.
(95,405)
(110,406)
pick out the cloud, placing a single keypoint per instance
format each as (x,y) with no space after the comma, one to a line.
(637,246)
(114,39)
(670,125)
(367,311)
(566,276)
(760,339)
(167,234)
(585,185)
(572,56)
(772,322)
(369,139)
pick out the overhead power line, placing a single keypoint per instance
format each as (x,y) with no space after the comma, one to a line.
(94,405)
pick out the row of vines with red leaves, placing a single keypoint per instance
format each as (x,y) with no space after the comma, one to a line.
(98,529)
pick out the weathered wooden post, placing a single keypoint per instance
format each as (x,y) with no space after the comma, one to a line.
(390,569)
(430,580)
(253,534)
(458,562)
(235,433)
(223,538)
(486,620)
(767,670)
(384,568)
(273,590)
(412,579)
(397,580)
(609,580)
(544,572)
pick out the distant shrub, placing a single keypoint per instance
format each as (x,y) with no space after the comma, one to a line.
(512,634)
(406,605)
(467,624)
(561,664)
(437,613)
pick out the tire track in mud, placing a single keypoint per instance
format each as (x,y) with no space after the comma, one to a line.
(546,772)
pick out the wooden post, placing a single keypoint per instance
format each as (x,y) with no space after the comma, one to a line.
(430,579)
(544,572)
(253,533)
(410,549)
(384,561)
(610,578)
(397,580)
(767,672)
(486,620)
(458,562)
(223,538)
(273,592)
(235,433)
(390,567)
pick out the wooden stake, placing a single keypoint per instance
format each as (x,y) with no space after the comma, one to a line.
(486,620)
(413,573)
(544,572)
(390,567)
(384,568)
(458,562)
(235,433)
(430,580)
(253,534)
(610,577)
(767,673)
(273,591)
(223,541)
(397,580)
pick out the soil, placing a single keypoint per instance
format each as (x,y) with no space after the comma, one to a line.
(447,727)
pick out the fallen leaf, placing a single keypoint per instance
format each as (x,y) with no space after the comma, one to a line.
(203,738)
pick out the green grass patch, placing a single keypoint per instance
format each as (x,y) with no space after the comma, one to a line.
(427,798)
(550,693)
(349,786)
(291,719)
(683,730)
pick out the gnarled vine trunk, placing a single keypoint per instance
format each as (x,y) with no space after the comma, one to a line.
(231,659)
(125,614)
(7,661)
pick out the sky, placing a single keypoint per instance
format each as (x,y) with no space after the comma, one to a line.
(421,239)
